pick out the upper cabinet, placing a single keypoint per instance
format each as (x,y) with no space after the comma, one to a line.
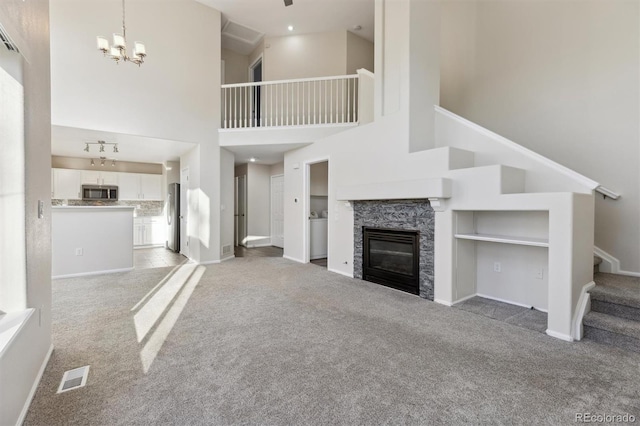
(66,184)
(140,186)
(97,177)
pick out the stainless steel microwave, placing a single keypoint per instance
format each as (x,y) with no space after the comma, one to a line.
(99,192)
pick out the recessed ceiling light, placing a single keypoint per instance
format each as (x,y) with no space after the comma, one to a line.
(290,27)
(252,159)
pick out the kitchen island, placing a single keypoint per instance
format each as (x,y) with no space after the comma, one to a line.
(89,240)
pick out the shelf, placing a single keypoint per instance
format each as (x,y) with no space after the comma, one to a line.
(523,241)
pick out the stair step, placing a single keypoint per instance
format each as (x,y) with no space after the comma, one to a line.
(617,289)
(616,310)
(597,260)
(607,329)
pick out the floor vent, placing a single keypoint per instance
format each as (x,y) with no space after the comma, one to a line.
(74,379)
(226,249)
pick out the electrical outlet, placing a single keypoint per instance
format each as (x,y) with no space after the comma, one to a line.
(79,252)
(497,267)
(538,273)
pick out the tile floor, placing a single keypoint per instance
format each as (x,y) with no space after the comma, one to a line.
(270,251)
(505,312)
(156,257)
(320,262)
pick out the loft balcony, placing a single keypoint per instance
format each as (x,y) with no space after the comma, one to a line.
(294,111)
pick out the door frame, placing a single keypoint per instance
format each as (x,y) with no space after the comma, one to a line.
(184,214)
(236,185)
(271,206)
(306,236)
(253,64)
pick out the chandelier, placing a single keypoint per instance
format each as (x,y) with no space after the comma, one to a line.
(101,145)
(118,51)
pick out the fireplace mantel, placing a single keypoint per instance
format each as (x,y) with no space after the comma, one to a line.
(434,188)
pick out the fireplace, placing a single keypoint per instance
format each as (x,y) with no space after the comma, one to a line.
(392,257)
(415,216)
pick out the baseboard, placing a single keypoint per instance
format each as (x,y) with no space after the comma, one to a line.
(227,258)
(209,262)
(340,273)
(292,258)
(464,299)
(34,388)
(560,336)
(149,246)
(86,274)
(443,302)
(611,264)
(321,256)
(511,302)
(582,310)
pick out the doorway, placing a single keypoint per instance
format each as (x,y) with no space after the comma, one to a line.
(255,76)
(317,211)
(184,211)
(277,211)
(240,210)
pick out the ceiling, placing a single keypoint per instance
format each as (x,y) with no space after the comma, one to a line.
(264,154)
(271,18)
(70,142)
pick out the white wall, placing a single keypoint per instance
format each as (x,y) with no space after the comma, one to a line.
(108,247)
(319,179)
(360,53)
(173,175)
(560,78)
(277,169)
(305,55)
(27,23)
(173,95)
(236,67)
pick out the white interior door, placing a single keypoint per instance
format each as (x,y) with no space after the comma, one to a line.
(184,211)
(277,211)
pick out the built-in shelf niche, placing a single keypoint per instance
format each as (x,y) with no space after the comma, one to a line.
(502,255)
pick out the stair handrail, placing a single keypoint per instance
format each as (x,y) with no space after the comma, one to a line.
(606,192)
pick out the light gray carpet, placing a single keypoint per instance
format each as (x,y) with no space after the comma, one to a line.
(269,341)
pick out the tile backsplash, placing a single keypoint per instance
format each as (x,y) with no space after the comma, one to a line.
(142,208)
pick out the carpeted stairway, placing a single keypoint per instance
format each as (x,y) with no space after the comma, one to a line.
(615,312)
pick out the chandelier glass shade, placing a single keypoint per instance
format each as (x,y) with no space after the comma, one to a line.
(118,49)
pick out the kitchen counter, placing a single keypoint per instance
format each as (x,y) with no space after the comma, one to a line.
(88,240)
(130,208)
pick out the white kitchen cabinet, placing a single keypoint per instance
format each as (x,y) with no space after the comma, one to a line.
(139,186)
(66,184)
(151,187)
(97,177)
(109,178)
(128,186)
(149,231)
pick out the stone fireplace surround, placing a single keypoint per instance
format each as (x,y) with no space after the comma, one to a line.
(397,214)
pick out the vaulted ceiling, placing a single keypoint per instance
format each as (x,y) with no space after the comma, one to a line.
(245,22)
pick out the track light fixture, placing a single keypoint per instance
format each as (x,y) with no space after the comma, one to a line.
(101,146)
(103,161)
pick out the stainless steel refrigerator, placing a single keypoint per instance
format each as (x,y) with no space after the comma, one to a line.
(173,217)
